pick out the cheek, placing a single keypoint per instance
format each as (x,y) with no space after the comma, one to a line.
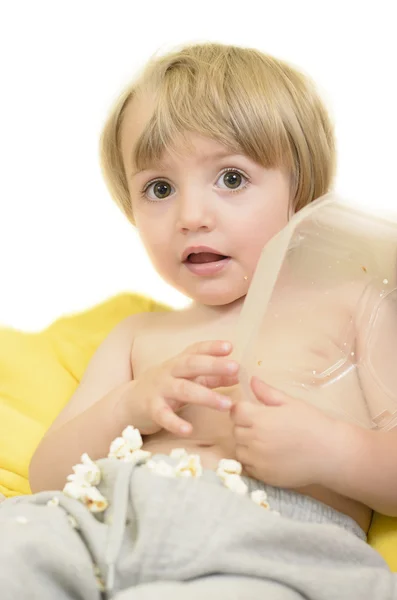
(154,239)
(258,230)
(263,226)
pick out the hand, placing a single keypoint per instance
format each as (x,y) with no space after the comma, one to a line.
(188,378)
(283,441)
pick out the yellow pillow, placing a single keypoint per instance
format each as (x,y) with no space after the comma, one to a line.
(38,374)
(383,537)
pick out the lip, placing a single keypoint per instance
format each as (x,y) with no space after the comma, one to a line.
(197,249)
(207,269)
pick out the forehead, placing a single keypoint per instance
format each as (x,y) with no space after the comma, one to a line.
(136,116)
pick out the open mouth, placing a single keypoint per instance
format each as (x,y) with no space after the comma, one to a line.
(200,258)
(206,264)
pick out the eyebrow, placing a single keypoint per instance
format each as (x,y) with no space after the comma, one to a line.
(205,159)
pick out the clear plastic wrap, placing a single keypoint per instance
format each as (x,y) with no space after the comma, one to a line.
(320,318)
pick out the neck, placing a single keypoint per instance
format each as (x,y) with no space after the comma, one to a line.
(218,311)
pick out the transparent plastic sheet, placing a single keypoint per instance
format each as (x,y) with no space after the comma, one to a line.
(320,318)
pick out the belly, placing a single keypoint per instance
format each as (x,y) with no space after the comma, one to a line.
(212,449)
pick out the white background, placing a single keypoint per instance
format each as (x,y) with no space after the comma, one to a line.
(64,245)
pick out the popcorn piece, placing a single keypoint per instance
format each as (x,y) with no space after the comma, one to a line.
(235,483)
(189,466)
(178,453)
(183,473)
(74,489)
(87,473)
(94,500)
(138,457)
(132,435)
(118,448)
(93,471)
(222,474)
(161,468)
(260,498)
(53,502)
(99,579)
(229,465)
(72,522)
(130,442)
(90,496)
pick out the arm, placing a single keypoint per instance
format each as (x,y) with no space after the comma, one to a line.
(294,444)
(365,468)
(366,465)
(97,412)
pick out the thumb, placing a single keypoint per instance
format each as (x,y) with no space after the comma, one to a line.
(267,394)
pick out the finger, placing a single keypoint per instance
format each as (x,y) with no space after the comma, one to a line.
(242,435)
(164,416)
(243,455)
(217,381)
(212,347)
(196,365)
(189,392)
(243,414)
(267,394)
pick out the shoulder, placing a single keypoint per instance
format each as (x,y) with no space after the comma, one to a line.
(120,339)
(142,325)
(150,321)
(140,320)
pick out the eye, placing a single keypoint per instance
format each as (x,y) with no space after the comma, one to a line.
(160,189)
(233,178)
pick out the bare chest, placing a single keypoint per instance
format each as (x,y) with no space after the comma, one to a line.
(303,346)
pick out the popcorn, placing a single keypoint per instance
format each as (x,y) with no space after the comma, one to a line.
(229,466)
(235,483)
(90,496)
(94,500)
(53,502)
(133,437)
(161,468)
(189,466)
(118,448)
(129,443)
(229,470)
(72,522)
(138,457)
(178,453)
(87,473)
(99,579)
(74,489)
(260,498)
(81,486)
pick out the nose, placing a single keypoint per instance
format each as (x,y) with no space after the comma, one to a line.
(195,213)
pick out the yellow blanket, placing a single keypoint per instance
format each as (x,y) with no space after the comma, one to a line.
(39,373)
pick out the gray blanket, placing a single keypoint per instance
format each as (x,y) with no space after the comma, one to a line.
(184,538)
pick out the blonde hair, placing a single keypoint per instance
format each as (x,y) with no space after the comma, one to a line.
(251,102)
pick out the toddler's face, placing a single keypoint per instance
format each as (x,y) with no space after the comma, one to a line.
(206,197)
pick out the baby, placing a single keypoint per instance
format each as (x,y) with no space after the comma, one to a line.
(209,152)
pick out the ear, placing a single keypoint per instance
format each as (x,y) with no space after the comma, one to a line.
(267,394)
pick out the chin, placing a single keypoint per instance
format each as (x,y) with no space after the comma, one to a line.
(214,298)
(218,301)
(210,292)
